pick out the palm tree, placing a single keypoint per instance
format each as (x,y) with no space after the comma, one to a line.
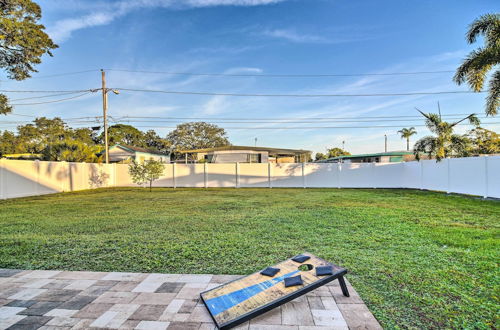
(475,67)
(445,143)
(406,133)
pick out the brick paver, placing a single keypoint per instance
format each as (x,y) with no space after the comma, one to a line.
(43,299)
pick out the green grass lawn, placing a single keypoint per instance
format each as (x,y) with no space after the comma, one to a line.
(418,259)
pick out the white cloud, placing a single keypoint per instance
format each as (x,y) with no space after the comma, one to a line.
(215,105)
(293,36)
(63,29)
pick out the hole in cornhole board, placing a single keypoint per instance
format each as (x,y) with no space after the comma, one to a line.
(305,267)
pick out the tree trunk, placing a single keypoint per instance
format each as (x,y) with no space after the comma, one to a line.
(150,185)
(408,144)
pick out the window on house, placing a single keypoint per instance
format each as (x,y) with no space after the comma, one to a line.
(254,158)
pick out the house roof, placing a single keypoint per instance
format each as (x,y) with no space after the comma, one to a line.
(378,154)
(270,150)
(138,149)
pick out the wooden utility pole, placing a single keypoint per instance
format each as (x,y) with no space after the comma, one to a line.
(105,114)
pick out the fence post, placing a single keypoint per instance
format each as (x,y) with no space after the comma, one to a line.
(37,165)
(2,161)
(486,188)
(304,175)
(237,173)
(421,174)
(205,175)
(173,176)
(339,169)
(269,174)
(373,175)
(448,175)
(115,180)
(63,182)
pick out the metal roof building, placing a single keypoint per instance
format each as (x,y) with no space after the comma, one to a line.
(380,157)
(244,154)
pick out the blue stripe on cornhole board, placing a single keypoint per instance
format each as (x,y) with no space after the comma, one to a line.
(222,303)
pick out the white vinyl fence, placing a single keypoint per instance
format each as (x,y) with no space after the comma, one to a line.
(474,176)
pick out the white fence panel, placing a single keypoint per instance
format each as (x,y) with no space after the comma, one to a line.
(123,179)
(322,175)
(475,176)
(189,175)
(221,175)
(387,175)
(287,175)
(167,177)
(356,175)
(435,175)
(254,175)
(493,183)
(20,178)
(467,175)
(412,175)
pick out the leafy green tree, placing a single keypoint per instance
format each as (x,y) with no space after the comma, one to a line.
(147,172)
(478,63)
(336,152)
(484,141)
(320,156)
(129,135)
(52,138)
(124,134)
(5,108)
(406,133)
(154,141)
(71,151)
(445,143)
(23,41)
(197,135)
(8,143)
(33,138)
(84,135)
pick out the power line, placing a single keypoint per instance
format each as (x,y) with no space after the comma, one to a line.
(280,122)
(242,94)
(91,118)
(135,119)
(292,95)
(60,74)
(292,118)
(53,101)
(42,97)
(126,117)
(312,127)
(50,91)
(281,75)
(64,74)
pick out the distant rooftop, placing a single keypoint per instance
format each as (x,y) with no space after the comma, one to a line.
(270,150)
(378,154)
(139,149)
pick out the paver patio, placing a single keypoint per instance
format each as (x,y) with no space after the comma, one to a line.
(42,299)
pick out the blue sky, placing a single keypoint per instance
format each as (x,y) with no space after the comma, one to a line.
(259,37)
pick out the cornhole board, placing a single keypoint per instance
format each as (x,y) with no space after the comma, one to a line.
(240,300)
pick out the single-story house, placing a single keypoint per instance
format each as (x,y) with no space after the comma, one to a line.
(121,153)
(381,157)
(243,154)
